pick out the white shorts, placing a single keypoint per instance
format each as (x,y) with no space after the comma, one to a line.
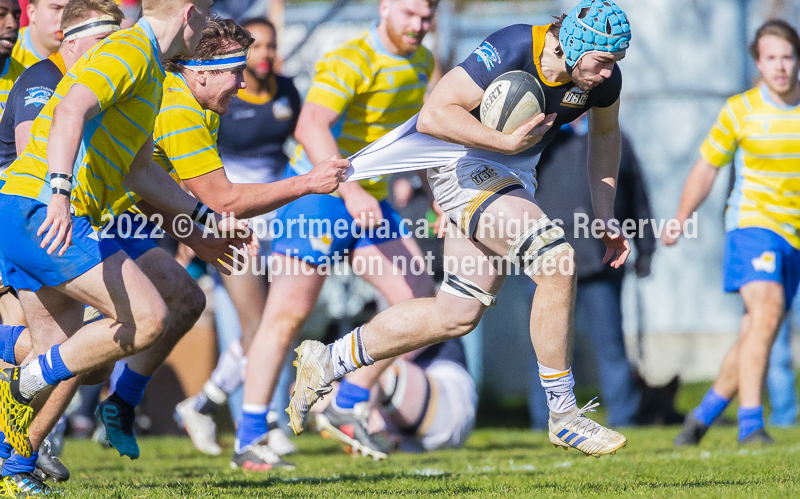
(464,180)
(450,418)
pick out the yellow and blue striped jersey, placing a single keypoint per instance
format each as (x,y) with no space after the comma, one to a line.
(126,76)
(762,139)
(11,71)
(24,52)
(373,91)
(186,134)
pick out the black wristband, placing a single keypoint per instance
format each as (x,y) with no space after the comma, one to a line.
(65,176)
(64,192)
(202,213)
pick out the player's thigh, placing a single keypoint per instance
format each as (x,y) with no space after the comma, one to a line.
(294,290)
(52,317)
(395,268)
(764,302)
(505,218)
(11,311)
(450,418)
(119,289)
(173,283)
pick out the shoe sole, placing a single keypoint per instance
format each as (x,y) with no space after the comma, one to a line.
(308,375)
(179,419)
(557,442)
(330,432)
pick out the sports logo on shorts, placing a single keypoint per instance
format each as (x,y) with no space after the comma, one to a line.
(575,98)
(482,174)
(321,244)
(38,96)
(765,263)
(488,54)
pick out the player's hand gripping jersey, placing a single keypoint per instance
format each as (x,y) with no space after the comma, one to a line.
(373,92)
(517,47)
(125,75)
(760,137)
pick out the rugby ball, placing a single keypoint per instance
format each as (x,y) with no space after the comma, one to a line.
(510,100)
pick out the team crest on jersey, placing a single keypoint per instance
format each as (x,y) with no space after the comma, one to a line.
(488,55)
(765,263)
(282,110)
(575,98)
(321,244)
(482,174)
(38,96)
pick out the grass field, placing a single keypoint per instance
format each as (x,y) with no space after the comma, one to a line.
(495,462)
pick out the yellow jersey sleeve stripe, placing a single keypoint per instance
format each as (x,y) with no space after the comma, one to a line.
(178,132)
(192,154)
(183,108)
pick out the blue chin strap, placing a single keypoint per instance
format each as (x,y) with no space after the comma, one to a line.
(593,26)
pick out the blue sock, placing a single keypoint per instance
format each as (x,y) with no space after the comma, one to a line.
(130,386)
(711,407)
(53,368)
(8,337)
(18,464)
(750,419)
(5,447)
(252,426)
(349,395)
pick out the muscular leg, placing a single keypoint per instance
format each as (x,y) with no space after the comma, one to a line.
(185,302)
(248,293)
(11,311)
(395,285)
(727,381)
(764,301)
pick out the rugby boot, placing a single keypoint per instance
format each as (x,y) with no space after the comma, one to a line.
(758,438)
(200,427)
(258,457)
(22,485)
(349,427)
(49,466)
(117,418)
(15,413)
(691,432)
(314,378)
(573,429)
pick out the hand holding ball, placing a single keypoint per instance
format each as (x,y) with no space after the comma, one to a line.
(512,99)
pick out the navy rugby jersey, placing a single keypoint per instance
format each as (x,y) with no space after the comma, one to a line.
(257,127)
(518,48)
(27,98)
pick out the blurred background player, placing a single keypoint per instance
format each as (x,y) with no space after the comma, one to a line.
(755,130)
(252,134)
(563,193)
(361,91)
(424,401)
(41,38)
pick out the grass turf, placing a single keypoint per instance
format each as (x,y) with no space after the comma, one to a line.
(495,462)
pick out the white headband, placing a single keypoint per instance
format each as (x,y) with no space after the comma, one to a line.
(231,60)
(91,27)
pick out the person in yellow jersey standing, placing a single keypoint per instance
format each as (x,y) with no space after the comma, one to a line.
(757,131)
(65,184)
(361,91)
(42,37)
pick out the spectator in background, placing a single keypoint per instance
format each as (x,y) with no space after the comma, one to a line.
(564,194)
(251,139)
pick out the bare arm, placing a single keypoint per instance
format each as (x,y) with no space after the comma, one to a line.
(69,115)
(446,116)
(695,191)
(604,156)
(22,135)
(249,200)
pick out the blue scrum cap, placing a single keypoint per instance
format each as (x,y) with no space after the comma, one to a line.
(594,26)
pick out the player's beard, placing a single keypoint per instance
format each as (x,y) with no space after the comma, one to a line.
(396,35)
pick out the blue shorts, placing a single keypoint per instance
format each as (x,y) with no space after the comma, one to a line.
(137,231)
(321,228)
(754,254)
(24,265)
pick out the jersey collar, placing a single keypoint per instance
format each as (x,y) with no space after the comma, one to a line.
(26,38)
(764,91)
(380,48)
(144,25)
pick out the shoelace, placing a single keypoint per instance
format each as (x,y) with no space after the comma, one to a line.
(584,424)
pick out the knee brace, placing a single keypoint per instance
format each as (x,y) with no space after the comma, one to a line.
(464,288)
(538,241)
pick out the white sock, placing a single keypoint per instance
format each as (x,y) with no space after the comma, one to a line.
(349,354)
(558,389)
(229,373)
(31,380)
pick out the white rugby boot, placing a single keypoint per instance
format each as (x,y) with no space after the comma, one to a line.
(200,427)
(314,378)
(573,429)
